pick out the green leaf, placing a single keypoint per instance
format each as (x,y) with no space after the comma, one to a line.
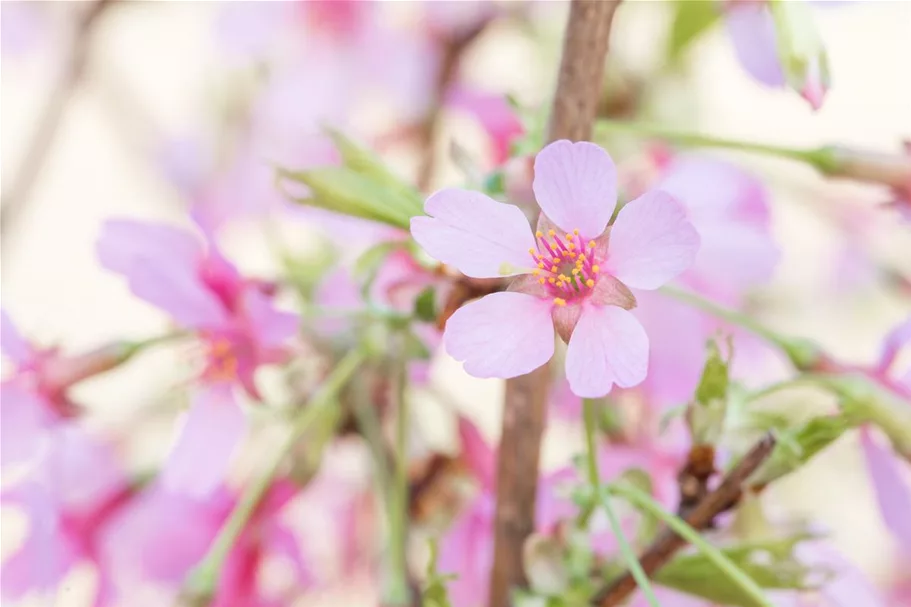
(363,161)
(796,446)
(369,263)
(772,564)
(425,305)
(691,19)
(706,414)
(435,593)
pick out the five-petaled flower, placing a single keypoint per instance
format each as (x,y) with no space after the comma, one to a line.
(234,319)
(574,273)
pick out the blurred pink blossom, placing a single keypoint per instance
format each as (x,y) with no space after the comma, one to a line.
(69,501)
(581,286)
(235,321)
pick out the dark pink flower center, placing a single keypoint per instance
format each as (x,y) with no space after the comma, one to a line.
(567,267)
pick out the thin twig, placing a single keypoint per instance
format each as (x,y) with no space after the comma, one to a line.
(572,117)
(453,49)
(668,543)
(16,196)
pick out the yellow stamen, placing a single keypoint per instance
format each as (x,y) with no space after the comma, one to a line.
(551,233)
(560,284)
(553,268)
(532,251)
(539,234)
(571,247)
(551,280)
(541,280)
(556,260)
(559,301)
(576,231)
(541,265)
(596,269)
(575,271)
(569,236)
(589,283)
(572,255)
(536,272)
(591,244)
(581,257)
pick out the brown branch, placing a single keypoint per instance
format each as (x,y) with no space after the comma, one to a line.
(572,117)
(14,198)
(668,543)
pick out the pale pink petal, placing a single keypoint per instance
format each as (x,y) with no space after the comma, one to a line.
(25,421)
(46,555)
(895,341)
(481,237)
(732,257)
(212,431)
(124,243)
(677,337)
(752,31)
(892,490)
(608,347)
(501,335)
(576,186)
(651,242)
(270,326)
(13,345)
(160,535)
(467,551)
(477,453)
(281,541)
(494,113)
(179,292)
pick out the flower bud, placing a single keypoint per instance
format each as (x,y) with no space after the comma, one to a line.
(801,51)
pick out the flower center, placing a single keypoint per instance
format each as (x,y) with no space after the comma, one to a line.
(565,266)
(221,360)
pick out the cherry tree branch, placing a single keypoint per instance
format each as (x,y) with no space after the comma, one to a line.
(668,542)
(573,114)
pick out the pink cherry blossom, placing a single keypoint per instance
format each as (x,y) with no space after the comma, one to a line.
(755,36)
(35,397)
(493,113)
(69,500)
(889,472)
(466,549)
(162,535)
(576,273)
(234,318)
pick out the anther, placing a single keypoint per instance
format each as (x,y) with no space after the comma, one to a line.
(554,268)
(559,301)
(590,283)
(532,251)
(551,280)
(576,231)
(551,233)
(539,234)
(536,272)
(541,280)
(591,244)
(596,269)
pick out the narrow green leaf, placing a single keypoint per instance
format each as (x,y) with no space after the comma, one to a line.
(772,564)
(796,446)
(345,191)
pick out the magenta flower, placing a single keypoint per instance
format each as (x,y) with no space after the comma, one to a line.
(576,273)
(69,501)
(234,319)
